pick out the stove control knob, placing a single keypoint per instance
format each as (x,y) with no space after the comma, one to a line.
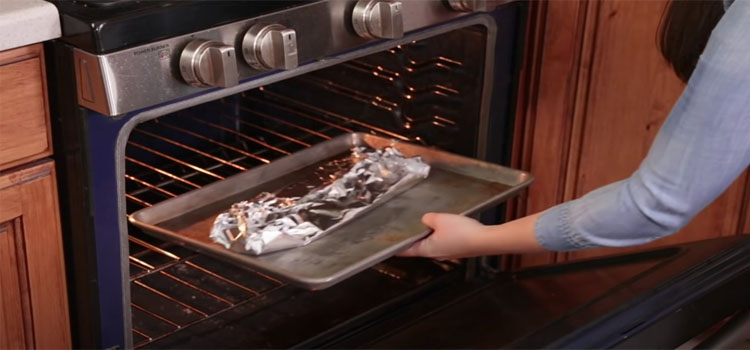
(206,63)
(378,19)
(270,46)
(470,5)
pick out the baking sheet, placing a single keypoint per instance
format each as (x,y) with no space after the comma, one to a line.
(455,185)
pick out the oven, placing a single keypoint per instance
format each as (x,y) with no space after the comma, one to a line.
(156,99)
(144,123)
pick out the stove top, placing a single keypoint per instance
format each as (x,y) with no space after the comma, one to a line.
(103,26)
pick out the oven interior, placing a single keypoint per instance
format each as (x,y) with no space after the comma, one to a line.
(428,92)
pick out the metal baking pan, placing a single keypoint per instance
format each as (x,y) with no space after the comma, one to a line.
(456,184)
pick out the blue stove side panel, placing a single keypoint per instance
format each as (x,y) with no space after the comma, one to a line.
(106,213)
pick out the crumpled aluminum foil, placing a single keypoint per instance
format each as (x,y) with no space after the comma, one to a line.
(271,222)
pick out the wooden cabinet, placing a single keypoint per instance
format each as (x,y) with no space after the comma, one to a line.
(34,300)
(13,308)
(24,119)
(596,92)
(33,296)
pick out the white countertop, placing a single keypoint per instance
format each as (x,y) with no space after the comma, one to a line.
(25,22)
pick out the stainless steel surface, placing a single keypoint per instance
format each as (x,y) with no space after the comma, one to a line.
(469,5)
(378,19)
(142,76)
(92,90)
(270,46)
(205,63)
(456,184)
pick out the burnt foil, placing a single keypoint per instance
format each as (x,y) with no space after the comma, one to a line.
(272,222)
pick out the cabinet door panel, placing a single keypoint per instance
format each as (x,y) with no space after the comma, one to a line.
(28,198)
(24,129)
(12,332)
(45,263)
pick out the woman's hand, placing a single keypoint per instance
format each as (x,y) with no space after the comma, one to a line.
(457,236)
(454,236)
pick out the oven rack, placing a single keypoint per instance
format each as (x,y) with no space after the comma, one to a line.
(148,183)
(168,282)
(172,287)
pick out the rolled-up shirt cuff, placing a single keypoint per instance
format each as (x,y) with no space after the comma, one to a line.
(553,230)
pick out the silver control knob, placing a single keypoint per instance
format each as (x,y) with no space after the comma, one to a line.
(378,19)
(270,46)
(469,5)
(209,63)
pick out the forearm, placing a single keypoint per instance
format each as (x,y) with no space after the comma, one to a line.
(512,237)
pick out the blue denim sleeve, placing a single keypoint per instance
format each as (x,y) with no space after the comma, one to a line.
(703,146)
